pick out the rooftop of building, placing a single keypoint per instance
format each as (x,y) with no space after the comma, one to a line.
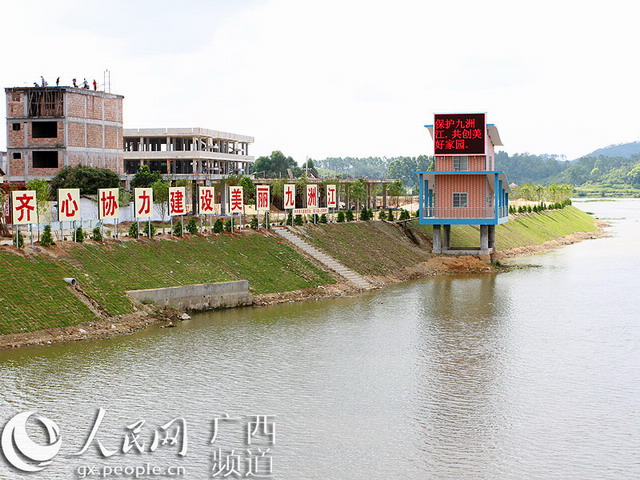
(63,88)
(185,132)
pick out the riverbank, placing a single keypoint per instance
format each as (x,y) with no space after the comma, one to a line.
(39,308)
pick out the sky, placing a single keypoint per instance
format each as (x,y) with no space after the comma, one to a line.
(337,78)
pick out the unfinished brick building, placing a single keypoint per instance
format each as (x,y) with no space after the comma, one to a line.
(52,127)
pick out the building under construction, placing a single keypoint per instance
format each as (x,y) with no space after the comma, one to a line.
(189,153)
(52,127)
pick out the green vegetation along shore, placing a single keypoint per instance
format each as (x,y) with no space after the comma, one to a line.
(351,243)
(34,296)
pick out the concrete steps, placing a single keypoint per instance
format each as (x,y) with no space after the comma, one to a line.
(323,258)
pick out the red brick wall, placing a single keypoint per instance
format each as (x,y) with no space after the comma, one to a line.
(15,138)
(75,104)
(16,167)
(94,135)
(113,138)
(15,105)
(445,164)
(113,109)
(75,131)
(94,107)
(474,185)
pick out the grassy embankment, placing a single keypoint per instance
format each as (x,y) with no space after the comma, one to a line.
(354,245)
(33,295)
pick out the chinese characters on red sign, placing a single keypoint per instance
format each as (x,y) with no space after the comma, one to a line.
(68,204)
(236,200)
(459,134)
(177,201)
(289,196)
(23,206)
(262,198)
(206,200)
(331,196)
(312,196)
(143,202)
(108,206)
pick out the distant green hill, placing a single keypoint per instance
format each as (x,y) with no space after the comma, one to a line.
(619,150)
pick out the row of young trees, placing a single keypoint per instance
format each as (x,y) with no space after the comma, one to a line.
(538,193)
(540,207)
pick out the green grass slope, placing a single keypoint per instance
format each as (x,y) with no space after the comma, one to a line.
(369,248)
(35,297)
(523,230)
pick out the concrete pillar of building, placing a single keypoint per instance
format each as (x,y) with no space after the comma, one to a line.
(446,241)
(492,237)
(437,240)
(384,196)
(484,239)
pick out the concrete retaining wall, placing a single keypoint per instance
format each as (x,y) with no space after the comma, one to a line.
(205,296)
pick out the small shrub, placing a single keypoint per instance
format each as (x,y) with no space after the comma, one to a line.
(80,235)
(218,226)
(390,216)
(290,218)
(96,235)
(349,215)
(382,215)
(133,230)
(323,218)
(267,224)
(20,242)
(46,240)
(364,215)
(177,229)
(340,216)
(192,226)
(529,209)
(298,221)
(145,229)
(404,215)
(227,225)
(254,222)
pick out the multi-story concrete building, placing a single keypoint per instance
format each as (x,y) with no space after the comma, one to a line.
(52,127)
(465,188)
(187,152)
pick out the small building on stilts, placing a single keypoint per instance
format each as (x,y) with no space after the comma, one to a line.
(464,188)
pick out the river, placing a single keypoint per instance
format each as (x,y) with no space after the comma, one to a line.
(529,374)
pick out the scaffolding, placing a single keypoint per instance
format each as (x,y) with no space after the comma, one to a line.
(45,102)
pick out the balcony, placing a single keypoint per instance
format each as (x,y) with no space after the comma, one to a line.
(459,212)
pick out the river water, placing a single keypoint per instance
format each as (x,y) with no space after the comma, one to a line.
(534,373)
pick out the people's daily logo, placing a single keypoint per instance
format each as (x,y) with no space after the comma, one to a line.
(21,451)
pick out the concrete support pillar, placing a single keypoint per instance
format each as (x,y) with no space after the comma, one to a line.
(384,196)
(437,240)
(446,241)
(484,239)
(492,237)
